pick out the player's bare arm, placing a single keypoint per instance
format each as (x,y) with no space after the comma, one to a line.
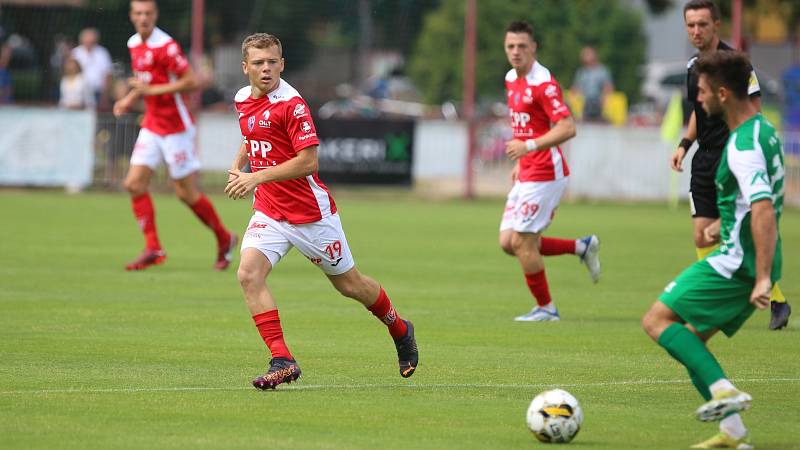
(562,131)
(676,162)
(305,163)
(239,161)
(186,83)
(124,104)
(515,172)
(765,233)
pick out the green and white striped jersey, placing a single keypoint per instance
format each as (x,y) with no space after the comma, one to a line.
(751,169)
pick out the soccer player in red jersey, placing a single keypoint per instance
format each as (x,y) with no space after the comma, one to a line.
(541,122)
(293,208)
(161,76)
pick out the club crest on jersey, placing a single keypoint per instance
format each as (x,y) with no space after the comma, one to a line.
(306,127)
(251,122)
(299,110)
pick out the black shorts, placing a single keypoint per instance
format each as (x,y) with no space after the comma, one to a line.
(702,190)
(704,204)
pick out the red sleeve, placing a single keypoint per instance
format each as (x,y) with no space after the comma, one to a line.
(176,61)
(299,125)
(552,102)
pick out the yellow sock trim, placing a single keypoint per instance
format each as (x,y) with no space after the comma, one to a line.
(777,295)
(702,252)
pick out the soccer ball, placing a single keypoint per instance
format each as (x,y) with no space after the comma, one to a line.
(555,416)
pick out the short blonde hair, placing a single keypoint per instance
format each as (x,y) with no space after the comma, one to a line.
(261,41)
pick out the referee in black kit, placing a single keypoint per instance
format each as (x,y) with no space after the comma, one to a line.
(711,132)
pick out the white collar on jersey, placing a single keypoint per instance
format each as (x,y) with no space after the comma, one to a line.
(158,38)
(539,74)
(284,92)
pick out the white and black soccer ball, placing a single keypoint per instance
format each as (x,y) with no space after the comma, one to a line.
(555,416)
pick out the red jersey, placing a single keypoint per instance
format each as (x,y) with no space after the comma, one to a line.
(275,128)
(160,60)
(535,103)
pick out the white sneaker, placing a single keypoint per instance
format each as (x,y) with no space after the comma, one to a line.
(591,256)
(722,404)
(538,314)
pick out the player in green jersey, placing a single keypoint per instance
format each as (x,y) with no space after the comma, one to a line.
(722,291)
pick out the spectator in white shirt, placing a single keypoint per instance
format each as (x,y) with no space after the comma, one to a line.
(75,91)
(95,62)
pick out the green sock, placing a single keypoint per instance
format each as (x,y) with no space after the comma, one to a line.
(701,388)
(690,351)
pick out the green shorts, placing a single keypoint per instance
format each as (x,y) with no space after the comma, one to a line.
(707,300)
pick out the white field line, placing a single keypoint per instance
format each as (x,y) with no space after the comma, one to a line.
(302,387)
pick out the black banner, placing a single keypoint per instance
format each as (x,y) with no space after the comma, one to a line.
(363,151)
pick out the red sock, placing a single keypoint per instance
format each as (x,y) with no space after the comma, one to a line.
(204,211)
(269,327)
(146,217)
(383,310)
(537,283)
(554,246)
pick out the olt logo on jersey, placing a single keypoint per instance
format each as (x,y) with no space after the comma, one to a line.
(264,123)
(528,97)
(145,61)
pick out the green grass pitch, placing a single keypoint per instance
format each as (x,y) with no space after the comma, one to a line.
(94,357)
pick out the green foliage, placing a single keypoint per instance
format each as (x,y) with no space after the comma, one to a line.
(561,29)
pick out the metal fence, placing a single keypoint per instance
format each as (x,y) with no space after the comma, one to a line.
(113,139)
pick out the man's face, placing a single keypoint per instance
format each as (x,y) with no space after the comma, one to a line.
(588,56)
(88,38)
(700,27)
(263,67)
(707,97)
(520,50)
(143,17)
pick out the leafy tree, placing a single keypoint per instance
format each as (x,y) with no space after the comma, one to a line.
(560,28)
